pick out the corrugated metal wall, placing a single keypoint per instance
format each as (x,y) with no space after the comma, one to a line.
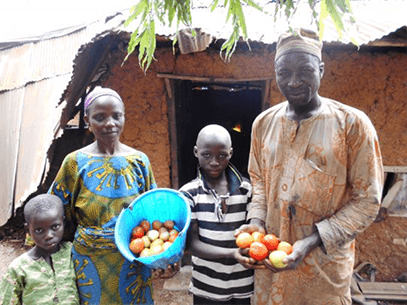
(33,77)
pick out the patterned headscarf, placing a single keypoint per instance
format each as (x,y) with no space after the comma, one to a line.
(98,92)
(299,41)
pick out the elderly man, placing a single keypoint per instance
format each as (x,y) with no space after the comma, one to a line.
(317,176)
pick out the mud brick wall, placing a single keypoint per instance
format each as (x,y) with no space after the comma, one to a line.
(373,81)
(146,127)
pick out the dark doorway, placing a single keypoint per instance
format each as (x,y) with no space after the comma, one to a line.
(233,106)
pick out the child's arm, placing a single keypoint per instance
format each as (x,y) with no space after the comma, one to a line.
(203,250)
(11,288)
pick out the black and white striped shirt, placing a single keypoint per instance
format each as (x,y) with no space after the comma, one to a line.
(224,278)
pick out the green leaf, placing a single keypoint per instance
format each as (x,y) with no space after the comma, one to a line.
(354,42)
(336,16)
(230,10)
(253,4)
(179,11)
(174,41)
(229,45)
(171,15)
(288,7)
(240,16)
(148,52)
(136,10)
(214,5)
(322,17)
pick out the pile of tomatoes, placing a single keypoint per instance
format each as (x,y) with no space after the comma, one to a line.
(151,239)
(263,246)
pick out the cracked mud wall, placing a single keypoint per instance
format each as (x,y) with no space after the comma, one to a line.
(372,81)
(146,126)
(375,83)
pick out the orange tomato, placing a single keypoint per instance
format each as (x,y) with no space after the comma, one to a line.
(258,251)
(244,240)
(136,245)
(271,241)
(169,224)
(145,224)
(257,236)
(157,224)
(174,232)
(285,246)
(137,232)
(172,237)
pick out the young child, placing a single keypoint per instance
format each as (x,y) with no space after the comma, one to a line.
(45,274)
(218,198)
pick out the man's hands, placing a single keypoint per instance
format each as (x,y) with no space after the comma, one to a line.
(301,249)
(293,259)
(242,255)
(256,225)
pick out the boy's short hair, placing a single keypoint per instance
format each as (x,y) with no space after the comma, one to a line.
(214,129)
(41,203)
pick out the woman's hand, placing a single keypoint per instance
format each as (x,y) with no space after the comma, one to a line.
(169,272)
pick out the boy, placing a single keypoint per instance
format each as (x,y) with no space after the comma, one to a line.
(218,198)
(45,274)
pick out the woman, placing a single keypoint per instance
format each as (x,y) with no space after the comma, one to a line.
(95,183)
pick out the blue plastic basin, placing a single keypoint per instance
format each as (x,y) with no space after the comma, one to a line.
(159,204)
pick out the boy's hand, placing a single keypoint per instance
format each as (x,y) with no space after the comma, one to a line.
(242,256)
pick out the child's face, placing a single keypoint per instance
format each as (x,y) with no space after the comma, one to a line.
(213,156)
(47,229)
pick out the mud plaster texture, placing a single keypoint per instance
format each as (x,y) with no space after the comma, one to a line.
(378,246)
(372,81)
(146,126)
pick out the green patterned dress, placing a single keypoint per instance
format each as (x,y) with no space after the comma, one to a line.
(94,190)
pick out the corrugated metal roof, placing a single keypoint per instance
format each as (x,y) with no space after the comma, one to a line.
(33,77)
(47,57)
(86,64)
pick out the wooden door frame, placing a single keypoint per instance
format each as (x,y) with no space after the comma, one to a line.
(172,121)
